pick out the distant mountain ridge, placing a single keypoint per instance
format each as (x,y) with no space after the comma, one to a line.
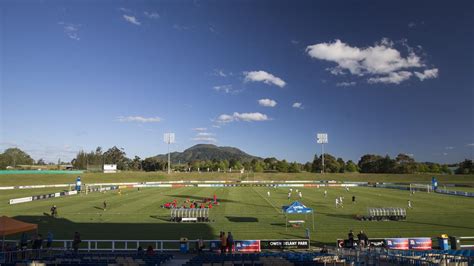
(202,152)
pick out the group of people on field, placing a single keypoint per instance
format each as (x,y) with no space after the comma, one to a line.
(192,204)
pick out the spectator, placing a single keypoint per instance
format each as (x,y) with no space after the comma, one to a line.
(350,237)
(76,241)
(140,251)
(324,250)
(223,242)
(149,251)
(38,242)
(230,242)
(200,245)
(24,241)
(49,240)
(363,239)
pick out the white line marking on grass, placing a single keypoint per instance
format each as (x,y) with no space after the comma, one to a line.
(276,208)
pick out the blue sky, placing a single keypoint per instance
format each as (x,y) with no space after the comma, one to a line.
(264,76)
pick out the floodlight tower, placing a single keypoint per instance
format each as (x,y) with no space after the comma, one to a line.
(169,138)
(322,138)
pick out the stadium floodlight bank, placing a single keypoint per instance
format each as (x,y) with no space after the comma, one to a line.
(385,214)
(189,215)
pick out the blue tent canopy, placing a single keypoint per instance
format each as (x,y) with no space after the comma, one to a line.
(296,207)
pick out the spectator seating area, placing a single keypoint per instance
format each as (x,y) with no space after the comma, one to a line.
(94,258)
(257,259)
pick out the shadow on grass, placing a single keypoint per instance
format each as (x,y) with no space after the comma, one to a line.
(236,219)
(99,208)
(95,229)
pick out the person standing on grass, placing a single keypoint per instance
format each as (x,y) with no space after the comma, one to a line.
(223,242)
(289,195)
(353,199)
(409,204)
(230,242)
(104,205)
(268,193)
(325,193)
(337,202)
(300,195)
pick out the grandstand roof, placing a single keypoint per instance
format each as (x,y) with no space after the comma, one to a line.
(10,226)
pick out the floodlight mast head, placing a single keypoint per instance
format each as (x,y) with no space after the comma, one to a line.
(169,138)
(322,138)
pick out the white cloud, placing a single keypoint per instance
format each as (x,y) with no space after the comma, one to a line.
(228,88)
(394,78)
(265,77)
(220,73)
(411,25)
(71,30)
(470,144)
(205,134)
(199,129)
(427,74)
(139,119)
(126,10)
(247,117)
(267,102)
(224,118)
(152,15)
(381,60)
(346,84)
(132,20)
(205,139)
(297,105)
(449,148)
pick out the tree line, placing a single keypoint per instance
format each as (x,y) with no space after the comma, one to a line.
(368,163)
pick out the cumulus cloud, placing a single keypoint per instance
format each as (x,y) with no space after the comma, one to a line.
(71,30)
(247,117)
(427,74)
(346,84)
(131,19)
(265,77)
(395,78)
(152,15)
(382,62)
(199,129)
(139,119)
(267,102)
(297,105)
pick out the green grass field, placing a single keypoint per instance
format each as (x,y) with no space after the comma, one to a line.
(245,211)
(38,179)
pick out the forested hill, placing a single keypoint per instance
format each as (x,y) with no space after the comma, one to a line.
(203,152)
